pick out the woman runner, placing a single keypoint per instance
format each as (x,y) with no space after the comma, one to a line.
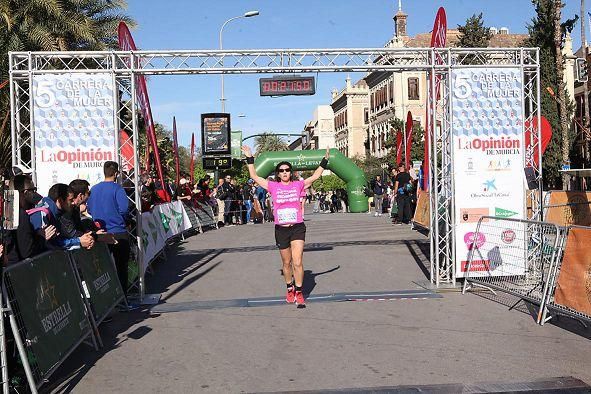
(290,230)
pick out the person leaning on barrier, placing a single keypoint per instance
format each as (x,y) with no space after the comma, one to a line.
(48,213)
(25,241)
(73,222)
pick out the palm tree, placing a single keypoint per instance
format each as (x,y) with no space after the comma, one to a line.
(52,25)
(269,142)
(563,111)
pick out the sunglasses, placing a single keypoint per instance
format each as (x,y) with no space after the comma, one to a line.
(32,189)
(284,170)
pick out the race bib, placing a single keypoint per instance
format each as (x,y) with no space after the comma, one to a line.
(287,215)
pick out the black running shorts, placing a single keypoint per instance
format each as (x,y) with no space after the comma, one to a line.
(284,235)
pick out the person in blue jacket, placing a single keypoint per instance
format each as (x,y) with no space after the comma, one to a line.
(48,212)
(109,207)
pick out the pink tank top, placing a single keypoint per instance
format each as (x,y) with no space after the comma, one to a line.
(287,208)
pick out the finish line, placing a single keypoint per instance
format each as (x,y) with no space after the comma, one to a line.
(272,301)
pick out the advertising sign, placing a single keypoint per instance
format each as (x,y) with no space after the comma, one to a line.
(236,144)
(51,308)
(488,161)
(73,127)
(215,134)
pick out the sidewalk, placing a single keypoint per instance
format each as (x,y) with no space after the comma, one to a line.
(453,339)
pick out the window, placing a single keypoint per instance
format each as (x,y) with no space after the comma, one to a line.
(413,89)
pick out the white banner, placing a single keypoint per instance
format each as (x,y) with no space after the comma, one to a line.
(488,161)
(73,127)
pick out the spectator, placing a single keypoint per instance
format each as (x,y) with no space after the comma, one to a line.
(236,210)
(220,197)
(228,195)
(183,191)
(49,211)
(109,206)
(247,195)
(71,221)
(26,241)
(378,195)
(403,190)
(147,192)
(204,192)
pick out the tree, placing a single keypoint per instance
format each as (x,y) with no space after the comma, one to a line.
(329,183)
(542,34)
(269,142)
(43,25)
(474,34)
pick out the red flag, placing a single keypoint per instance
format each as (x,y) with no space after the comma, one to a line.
(438,40)
(192,166)
(126,43)
(398,147)
(126,149)
(175,149)
(408,135)
(545,135)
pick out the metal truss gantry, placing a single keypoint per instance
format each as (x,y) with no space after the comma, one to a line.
(437,63)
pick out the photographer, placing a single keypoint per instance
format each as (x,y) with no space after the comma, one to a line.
(403,190)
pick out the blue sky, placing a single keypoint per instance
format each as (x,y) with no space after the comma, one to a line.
(195,24)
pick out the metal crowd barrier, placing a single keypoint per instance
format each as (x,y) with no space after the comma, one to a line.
(517,257)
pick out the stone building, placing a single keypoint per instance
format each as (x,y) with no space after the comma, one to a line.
(350,107)
(319,132)
(392,95)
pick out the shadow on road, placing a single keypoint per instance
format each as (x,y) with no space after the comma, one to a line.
(310,279)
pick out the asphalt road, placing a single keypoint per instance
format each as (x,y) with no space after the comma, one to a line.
(195,346)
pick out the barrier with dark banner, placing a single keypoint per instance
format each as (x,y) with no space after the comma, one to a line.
(205,215)
(45,297)
(101,282)
(569,208)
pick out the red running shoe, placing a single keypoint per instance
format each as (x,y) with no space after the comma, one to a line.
(291,295)
(299,299)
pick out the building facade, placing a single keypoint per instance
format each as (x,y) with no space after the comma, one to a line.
(392,95)
(350,107)
(319,132)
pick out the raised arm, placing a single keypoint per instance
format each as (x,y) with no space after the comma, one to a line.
(309,181)
(251,171)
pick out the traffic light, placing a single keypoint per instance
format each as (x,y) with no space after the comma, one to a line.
(581,70)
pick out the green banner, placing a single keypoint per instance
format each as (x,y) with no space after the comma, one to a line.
(100,277)
(236,144)
(50,305)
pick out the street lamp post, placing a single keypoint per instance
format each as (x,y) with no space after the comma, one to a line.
(245,15)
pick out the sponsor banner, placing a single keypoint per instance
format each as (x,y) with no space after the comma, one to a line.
(50,306)
(573,289)
(236,144)
(179,214)
(162,223)
(488,151)
(152,238)
(73,127)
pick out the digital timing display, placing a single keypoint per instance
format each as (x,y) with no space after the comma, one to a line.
(287,86)
(212,163)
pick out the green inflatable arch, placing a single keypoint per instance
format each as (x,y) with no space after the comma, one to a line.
(309,160)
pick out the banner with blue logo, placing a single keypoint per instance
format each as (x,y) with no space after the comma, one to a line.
(488,160)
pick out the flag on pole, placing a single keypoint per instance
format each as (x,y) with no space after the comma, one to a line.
(175,148)
(408,135)
(398,147)
(126,43)
(192,166)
